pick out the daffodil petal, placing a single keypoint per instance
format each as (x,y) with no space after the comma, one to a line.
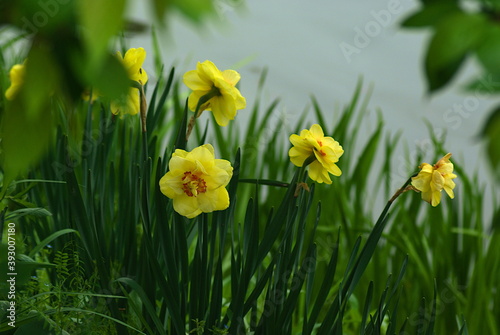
(223,109)
(231,76)
(186,206)
(192,80)
(216,200)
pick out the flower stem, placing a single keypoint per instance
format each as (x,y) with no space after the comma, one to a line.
(214,92)
(300,181)
(143,108)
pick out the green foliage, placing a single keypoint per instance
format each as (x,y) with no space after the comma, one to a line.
(271,262)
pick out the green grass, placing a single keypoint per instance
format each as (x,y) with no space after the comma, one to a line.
(122,261)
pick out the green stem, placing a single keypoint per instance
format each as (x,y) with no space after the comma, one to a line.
(302,171)
(214,91)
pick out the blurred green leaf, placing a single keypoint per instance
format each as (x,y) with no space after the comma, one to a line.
(455,36)
(24,137)
(487,84)
(193,9)
(101,20)
(26,125)
(430,15)
(110,80)
(488,52)
(160,8)
(491,134)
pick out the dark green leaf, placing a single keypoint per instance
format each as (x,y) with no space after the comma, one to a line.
(491,134)
(488,52)
(37,212)
(430,15)
(487,84)
(455,36)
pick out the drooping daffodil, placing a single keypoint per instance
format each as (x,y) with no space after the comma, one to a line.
(319,151)
(432,179)
(196,181)
(132,61)
(217,91)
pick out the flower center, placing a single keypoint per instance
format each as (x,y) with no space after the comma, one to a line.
(193,185)
(322,153)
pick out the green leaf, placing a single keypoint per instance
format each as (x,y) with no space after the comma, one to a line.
(194,9)
(455,36)
(487,84)
(37,212)
(160,8)
(488,52)
(37,327)
(108,78)
(430,15)
(491,134)
(26,123)
(49,239)
(145,301)
(100,20)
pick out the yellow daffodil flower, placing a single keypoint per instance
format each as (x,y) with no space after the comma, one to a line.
(323,151)
(16,76)
(432,179)
(223,98)
(132,61)
(196,181)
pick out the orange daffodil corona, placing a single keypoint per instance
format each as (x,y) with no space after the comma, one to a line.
(132,61)
(215,91)
(196,181)
(432,179)
(319,151)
